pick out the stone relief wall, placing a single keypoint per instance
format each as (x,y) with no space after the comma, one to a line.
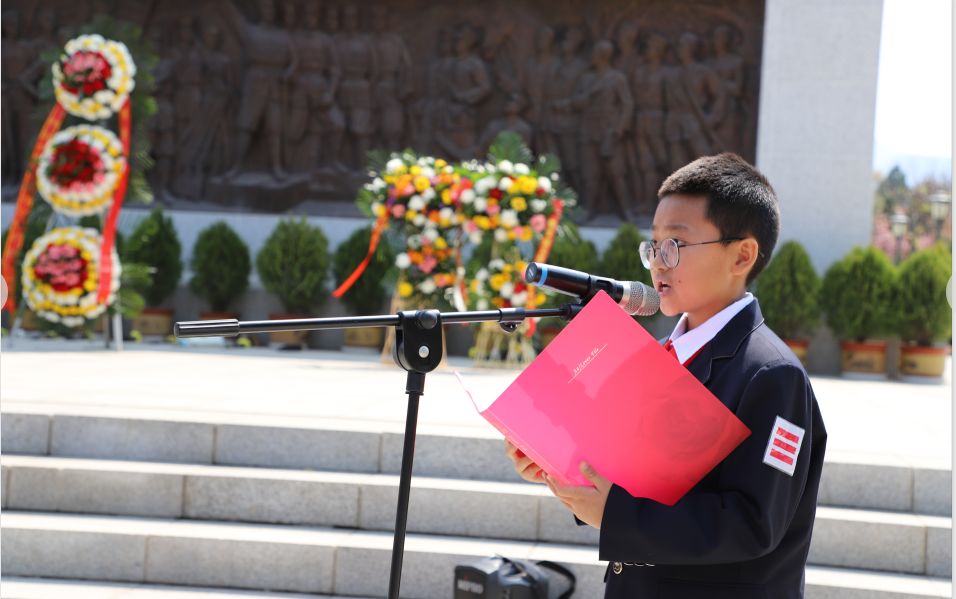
(271,105)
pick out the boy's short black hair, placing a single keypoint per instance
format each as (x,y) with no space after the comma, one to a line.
(740,200)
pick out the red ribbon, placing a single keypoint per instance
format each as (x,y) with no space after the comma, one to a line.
(109,228)
(25,203)
(541,254)
(380,225)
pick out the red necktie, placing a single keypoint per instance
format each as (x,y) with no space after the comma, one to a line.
(669,346)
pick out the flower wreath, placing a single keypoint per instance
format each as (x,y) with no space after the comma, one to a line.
(61,275)
(94,77)
(79,170)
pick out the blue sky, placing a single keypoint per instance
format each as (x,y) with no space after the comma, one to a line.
(914,94)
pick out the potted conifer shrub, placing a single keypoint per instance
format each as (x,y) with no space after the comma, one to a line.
(788,291)
(155,243)
(369,294)
(923,314)
(221,267)
(621,260)
(570,250)
(857,298)
(294,264)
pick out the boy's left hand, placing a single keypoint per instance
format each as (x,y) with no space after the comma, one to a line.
(587,503)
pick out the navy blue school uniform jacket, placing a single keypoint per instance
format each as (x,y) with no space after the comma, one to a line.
(744,530)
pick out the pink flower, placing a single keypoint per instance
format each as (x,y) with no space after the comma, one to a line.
(428,264)
(398,210)
(538,223)
(470,226)
(493,209)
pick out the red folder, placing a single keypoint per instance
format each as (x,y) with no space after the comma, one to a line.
(605,392)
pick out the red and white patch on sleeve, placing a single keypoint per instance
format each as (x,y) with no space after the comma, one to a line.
(784,446)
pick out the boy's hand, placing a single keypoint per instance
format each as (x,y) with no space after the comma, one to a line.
(525,468)
(587,503)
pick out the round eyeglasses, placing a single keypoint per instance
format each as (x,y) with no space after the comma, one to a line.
(669,250)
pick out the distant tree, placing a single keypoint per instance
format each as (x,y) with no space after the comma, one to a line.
(892,192)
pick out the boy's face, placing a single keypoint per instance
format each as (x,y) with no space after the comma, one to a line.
(707,277)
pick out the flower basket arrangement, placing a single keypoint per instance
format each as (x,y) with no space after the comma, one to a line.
(857,298)
(789,289)
(432,213)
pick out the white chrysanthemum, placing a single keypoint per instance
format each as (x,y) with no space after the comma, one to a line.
(428,172)
(501,235)
(446,213)
(482,304)
(427,286)
(481,203)
(522,169)
(545,184)
(496,264)
(431,234)
(507,289)
(485,184)
(378,184)
(475,237)
(416,203)
(509,218)
(467,196)
(505,183)
(419,220)
(403,261)
(506,167)
(414,242)
(429,194)
(539,205)
(393,165)
(519,299)
(482,274)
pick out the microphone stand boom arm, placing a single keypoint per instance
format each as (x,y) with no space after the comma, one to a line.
(417,349)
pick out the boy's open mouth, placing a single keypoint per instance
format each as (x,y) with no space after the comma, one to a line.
(661,286)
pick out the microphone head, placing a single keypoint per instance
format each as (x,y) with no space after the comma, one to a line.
(639,299)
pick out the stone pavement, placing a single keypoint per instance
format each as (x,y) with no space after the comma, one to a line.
(864,419)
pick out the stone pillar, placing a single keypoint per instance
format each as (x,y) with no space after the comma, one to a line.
(816,122)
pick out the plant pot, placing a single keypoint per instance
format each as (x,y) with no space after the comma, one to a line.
(372,337)
(800,348)
(923,364)
(28,321)
(864,360)
(154,322)
(213,315)
(288,338)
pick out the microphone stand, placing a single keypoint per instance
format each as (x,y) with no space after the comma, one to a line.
(417,350)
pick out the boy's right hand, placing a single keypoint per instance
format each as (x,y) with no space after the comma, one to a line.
(525,468)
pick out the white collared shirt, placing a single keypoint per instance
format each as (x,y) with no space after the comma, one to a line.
(687,343)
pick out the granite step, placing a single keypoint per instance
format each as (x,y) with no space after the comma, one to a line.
(321,560)
(855,538)
(855,481)
(13,587)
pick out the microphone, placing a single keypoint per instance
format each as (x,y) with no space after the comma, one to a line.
(636,298)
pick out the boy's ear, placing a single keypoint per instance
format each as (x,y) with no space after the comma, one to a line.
(747,252)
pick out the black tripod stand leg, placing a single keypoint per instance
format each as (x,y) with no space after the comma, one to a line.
(414,387)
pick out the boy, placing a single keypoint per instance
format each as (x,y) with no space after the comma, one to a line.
(744,530)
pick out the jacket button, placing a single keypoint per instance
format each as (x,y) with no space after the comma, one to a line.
(617,567)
